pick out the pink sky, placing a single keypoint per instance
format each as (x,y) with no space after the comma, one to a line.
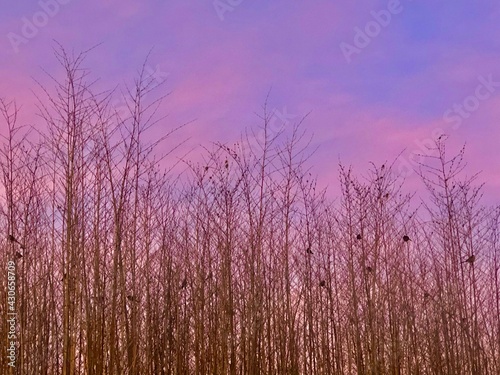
(390,96)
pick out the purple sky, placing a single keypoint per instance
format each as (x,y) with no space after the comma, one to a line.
(378,77)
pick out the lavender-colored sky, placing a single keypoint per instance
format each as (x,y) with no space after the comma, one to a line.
(370,97)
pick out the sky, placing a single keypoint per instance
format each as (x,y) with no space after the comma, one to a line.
(376,79)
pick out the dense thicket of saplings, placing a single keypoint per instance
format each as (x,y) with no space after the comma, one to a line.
(241,266)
